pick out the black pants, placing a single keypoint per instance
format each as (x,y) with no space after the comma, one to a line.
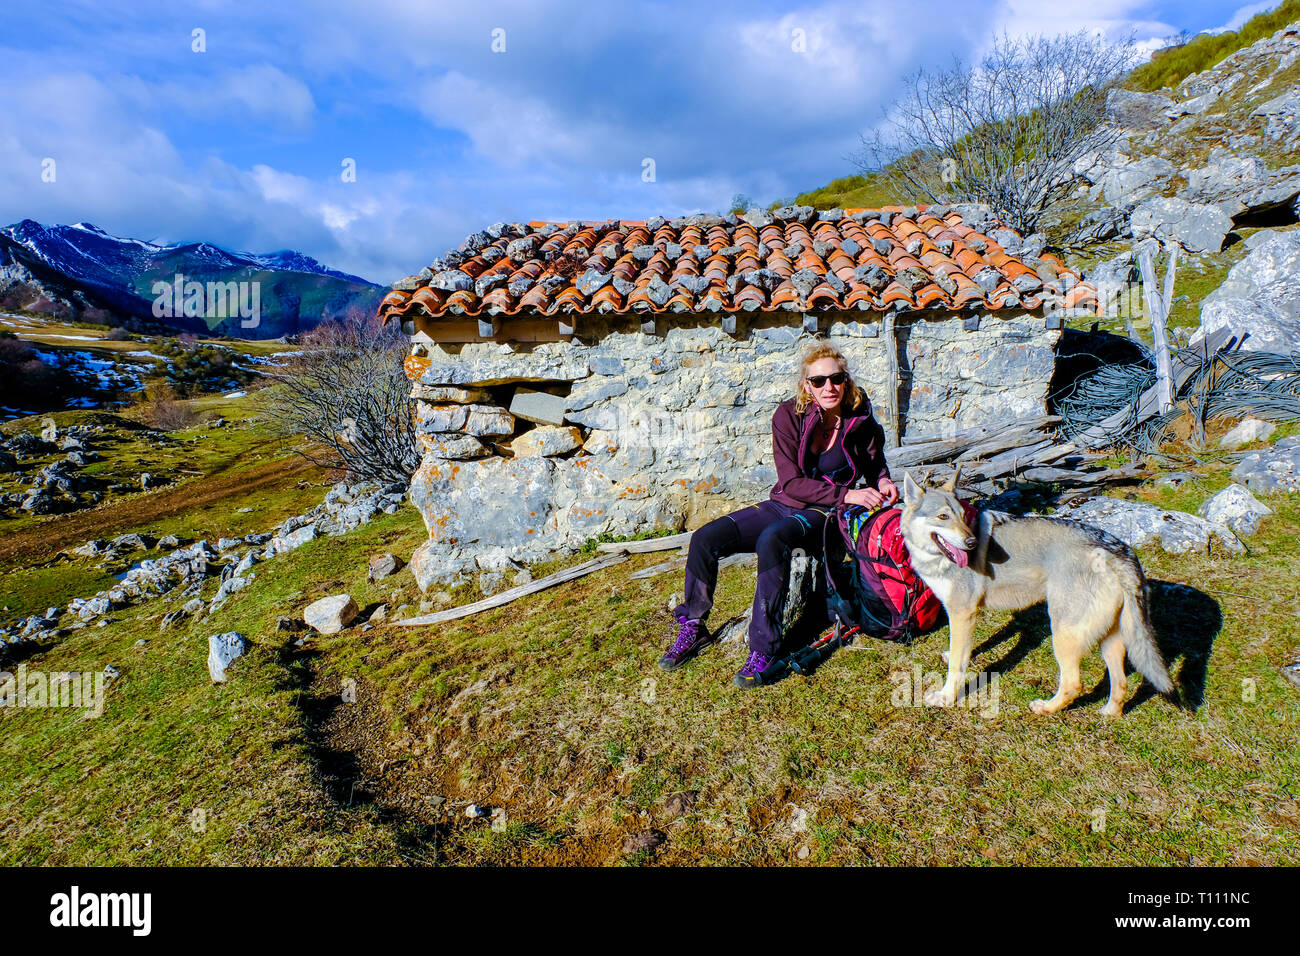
(772,531)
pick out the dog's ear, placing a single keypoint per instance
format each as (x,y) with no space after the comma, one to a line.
(911,490)
(951,483)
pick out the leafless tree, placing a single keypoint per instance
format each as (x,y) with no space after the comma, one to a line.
(345,392)
(1007,131)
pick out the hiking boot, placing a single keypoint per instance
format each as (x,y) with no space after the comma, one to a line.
(751,675)
(692,637)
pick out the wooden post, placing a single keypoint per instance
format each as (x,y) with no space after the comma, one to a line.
(891,351)
(1158,310)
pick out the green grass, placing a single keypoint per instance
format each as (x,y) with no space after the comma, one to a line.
(552,708)
(1167,68)
(851,192)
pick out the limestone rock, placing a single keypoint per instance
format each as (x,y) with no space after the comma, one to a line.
(546,440)
(449,393)
(1246,431)
(1260,297)
(223,650)
(1196,227)
(450,446)
(540,407)
(1236,508)
(331,614)
(382,566)
(1138,524)
(1273,469)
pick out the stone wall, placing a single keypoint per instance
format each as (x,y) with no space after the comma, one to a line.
(530,450)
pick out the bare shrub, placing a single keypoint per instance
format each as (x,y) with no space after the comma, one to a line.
(160,408)
(346,393)
(117,334)
(1007,131)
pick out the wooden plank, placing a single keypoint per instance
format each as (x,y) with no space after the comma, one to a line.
(505,597)
(942,449)
(676,564)
(649,544)
(1157,310)
(895,433)
(511,330)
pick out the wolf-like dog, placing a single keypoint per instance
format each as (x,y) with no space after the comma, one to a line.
(1094,587)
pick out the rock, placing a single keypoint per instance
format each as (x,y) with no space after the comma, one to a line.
(475,812)
(228,587)
(477,420)
(147,481)
(331,614)
(93,608)
(540,407)
(169,541)
(223,650)
(1126,184)
(1138,524)
(1236,508)
(49,430)
(546,440)
(451,447)
(433,564)
(294,539)
(226,544)
(1260,298)
(449,393)
(383,565)
(1197,228)
(1133,110)
(1281,115)
(131,542)
(499,820)
(1246,431)
(491,582)
(646,842)
(1273,469)
(378,615)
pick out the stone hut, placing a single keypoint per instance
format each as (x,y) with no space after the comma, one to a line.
(587,378)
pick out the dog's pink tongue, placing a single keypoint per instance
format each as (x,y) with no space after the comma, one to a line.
(960,557)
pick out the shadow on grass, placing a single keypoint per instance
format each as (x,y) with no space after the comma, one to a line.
(1186,622)
(338,769)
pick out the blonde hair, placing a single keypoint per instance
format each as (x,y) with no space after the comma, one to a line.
(820,350)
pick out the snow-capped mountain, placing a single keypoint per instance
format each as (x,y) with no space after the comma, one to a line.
(84,251)
(70,269)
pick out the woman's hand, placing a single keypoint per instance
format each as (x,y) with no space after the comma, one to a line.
(864,496)
(873,498)
(889,490)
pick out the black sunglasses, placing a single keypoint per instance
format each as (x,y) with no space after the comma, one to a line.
(817,381)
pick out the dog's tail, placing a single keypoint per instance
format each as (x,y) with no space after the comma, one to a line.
(1135,627)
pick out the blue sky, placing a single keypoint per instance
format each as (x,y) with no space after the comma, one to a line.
(244,143)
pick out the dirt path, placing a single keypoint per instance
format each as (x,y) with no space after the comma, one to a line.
(45,540)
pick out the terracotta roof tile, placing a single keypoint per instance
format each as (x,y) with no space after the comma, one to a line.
(870,260)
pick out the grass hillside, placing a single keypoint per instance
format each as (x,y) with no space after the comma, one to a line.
(1168,67)
(368,746)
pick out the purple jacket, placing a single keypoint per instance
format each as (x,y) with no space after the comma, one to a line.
(864,445)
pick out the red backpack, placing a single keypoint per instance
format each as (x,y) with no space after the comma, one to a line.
(870,583)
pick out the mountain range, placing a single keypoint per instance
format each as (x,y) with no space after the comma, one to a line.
(81,271)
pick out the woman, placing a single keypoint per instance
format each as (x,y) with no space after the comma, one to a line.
(825,442)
